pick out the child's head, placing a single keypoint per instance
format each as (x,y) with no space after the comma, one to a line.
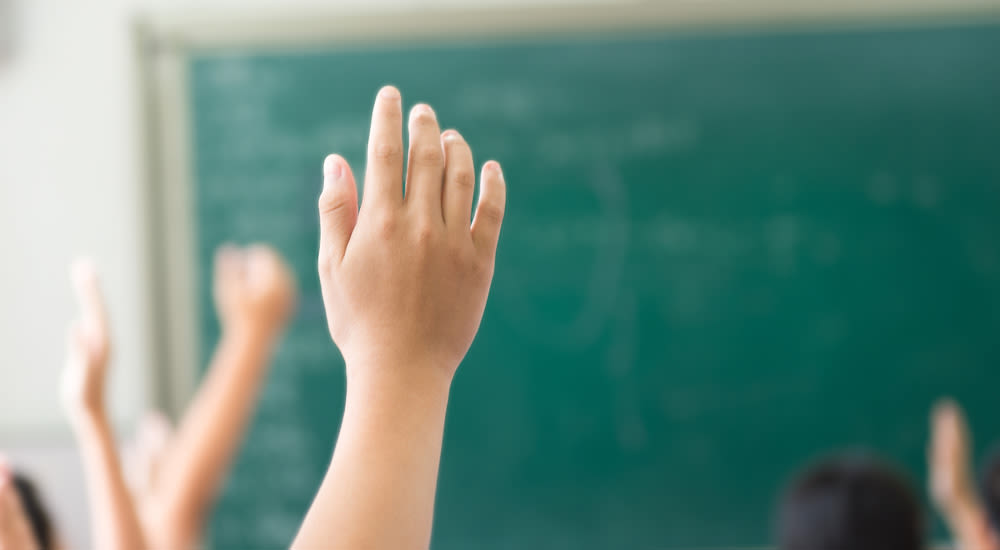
(990,487)
(850,502)
(36,512)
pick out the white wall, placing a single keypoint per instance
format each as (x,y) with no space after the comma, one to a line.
(67,185)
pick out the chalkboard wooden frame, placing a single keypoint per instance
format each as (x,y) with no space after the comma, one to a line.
(166,38)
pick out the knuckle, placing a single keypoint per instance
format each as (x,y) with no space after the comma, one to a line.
(491,213)
(424,234)
(481,268)
(427,155)
(465,179)
(386,150)
(332,201)
(386,225)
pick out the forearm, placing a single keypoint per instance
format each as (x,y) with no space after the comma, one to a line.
(211,430)
(968,524)
(379,489)
(114,520)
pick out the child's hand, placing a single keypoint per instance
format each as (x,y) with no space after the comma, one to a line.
(405,280)
(88,346)
(254,289)
(951,485)
(15,532)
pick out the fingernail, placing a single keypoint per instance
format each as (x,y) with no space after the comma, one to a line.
(332,168)
(422,109)
(389,92)
(494,166)
(450,134)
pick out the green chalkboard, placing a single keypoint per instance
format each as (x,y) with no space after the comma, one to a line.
(724,253)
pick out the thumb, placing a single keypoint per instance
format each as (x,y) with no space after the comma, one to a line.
(338,210)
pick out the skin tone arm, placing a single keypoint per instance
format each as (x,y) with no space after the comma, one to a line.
(255,294)
(115,524)
(405,282)
(15,532)
(951,482)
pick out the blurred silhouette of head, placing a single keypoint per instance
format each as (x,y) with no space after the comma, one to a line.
(36,512)
(850,502)
(990,487)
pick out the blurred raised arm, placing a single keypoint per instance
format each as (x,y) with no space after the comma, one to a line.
(952,484)
(255,294)
(115,524)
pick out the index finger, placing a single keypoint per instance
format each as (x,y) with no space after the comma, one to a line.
(88,292)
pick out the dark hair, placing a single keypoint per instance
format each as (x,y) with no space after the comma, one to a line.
(34,509)
(990,488)
(850,502)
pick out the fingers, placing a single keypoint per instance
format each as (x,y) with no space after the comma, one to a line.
(425,169)
(459,181)
(489,212)
(263,266)
(948,427)
(89,296)
(338,207)
(384,174)
(229,263)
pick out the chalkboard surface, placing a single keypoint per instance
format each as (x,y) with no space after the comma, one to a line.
(724,253)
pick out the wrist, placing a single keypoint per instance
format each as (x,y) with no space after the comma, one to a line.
(398,379)
(84,416)
(252,330)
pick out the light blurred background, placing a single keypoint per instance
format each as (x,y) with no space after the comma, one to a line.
(71,183)
(74,167)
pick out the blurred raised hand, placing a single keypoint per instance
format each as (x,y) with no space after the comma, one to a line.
(88,346)
(255,295)
(951,483)
(254,288)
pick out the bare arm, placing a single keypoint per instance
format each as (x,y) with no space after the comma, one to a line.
(15,532)
(254,295)
(114,520)
(951,480)
(404,282)
(379,489)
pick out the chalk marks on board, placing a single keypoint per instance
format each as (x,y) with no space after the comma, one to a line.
(602,280)
(922,190)
(645,137)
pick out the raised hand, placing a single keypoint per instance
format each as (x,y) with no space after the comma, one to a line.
(115,525)
(951,483)
(88,345)
(255,294)
(254,288)
(952,486)
(405,280)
